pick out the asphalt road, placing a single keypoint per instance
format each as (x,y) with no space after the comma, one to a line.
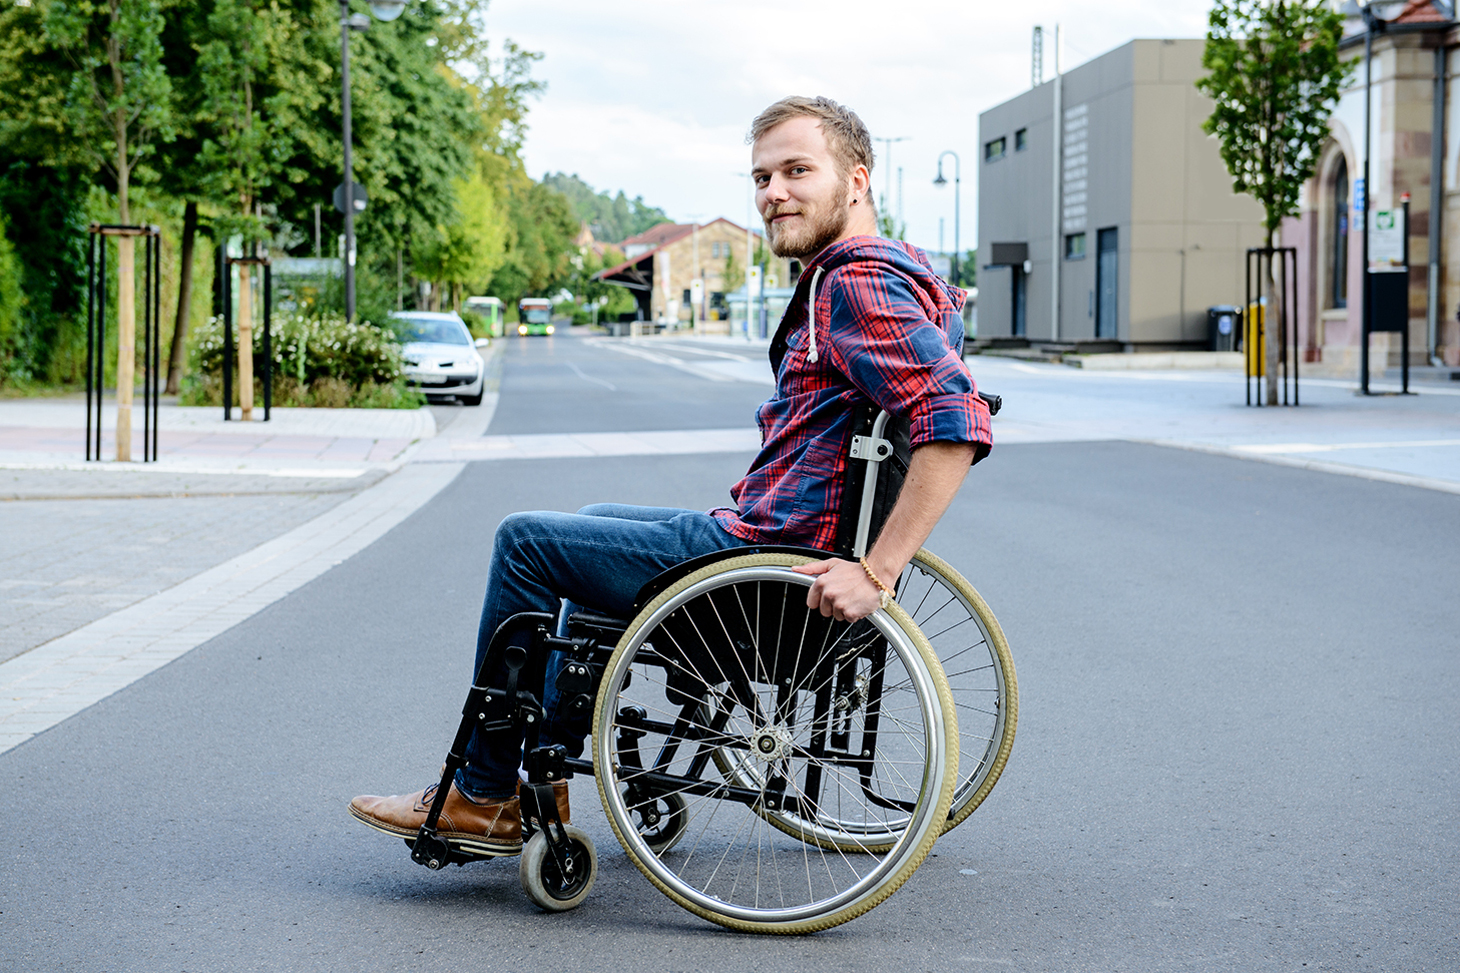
(1237,746)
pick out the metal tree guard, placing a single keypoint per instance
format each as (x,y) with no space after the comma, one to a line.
(96,332)
(225,275)
(1254,319)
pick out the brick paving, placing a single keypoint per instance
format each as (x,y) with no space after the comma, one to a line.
(65,563)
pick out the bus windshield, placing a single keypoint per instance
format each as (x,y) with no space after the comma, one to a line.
(536,315)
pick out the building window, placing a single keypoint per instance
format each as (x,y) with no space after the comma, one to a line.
(993,150)
(1021,140)
(1338,255)
(1075,246)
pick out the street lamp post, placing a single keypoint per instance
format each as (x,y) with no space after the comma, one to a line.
(957,181)
(383,10)
(887,144)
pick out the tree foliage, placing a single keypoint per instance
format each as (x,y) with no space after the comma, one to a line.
(233,108)
(612,219)
(1275,76)
(118,96)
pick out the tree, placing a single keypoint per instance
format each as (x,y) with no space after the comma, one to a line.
(118,101)
(539,253)
(467,250)
(1275,76)
(612,219)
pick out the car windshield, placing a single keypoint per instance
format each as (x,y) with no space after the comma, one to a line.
(436,331)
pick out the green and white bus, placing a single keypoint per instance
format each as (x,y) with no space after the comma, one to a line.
(534,316)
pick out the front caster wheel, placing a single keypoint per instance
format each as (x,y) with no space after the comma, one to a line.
(554,887)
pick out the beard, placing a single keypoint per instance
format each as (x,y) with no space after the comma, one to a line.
(821,223)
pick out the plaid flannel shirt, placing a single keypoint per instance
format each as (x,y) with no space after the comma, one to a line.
(889,331)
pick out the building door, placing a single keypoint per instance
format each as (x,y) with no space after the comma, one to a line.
(1020,301)
(1107,280)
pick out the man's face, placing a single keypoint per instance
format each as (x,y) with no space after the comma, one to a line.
(801,196)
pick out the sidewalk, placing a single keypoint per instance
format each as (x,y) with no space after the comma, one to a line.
(109,570)
(1414,439)
(324,447)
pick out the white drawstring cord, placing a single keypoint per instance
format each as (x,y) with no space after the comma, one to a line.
(811,314)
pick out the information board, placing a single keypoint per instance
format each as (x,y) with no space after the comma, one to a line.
(1386,241)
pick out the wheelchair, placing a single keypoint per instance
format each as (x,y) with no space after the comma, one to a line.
(766,768)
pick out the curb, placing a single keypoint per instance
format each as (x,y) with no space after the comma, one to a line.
(1317,466)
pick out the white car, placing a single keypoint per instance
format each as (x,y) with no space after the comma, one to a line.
(441,357)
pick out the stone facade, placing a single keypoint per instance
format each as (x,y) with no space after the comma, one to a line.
(663,262)
(1413,64)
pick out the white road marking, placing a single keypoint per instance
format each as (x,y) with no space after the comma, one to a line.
(589,378)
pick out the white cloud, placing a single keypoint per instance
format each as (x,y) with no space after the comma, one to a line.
(654,96)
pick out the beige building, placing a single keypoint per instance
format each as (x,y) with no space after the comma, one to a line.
(663,263)
(1149,232)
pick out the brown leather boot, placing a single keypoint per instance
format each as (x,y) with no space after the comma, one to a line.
(492,827)
(560,794)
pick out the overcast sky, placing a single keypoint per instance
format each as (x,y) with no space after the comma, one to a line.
(654,96)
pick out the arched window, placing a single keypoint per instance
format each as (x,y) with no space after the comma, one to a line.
(1338,254)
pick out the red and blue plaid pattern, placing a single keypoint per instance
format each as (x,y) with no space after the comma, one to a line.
(889,331)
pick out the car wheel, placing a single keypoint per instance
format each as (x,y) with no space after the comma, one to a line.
(471,399)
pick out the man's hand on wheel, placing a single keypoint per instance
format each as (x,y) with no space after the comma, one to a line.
(842,590)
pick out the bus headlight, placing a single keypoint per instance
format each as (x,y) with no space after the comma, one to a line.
(550,329)
(522,329)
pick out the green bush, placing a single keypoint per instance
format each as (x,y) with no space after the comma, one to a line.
(10,301)
(319,360)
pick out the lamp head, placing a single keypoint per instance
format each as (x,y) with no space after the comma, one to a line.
(939,180)
(387,9)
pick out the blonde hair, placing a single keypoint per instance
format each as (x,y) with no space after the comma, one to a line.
(845,135)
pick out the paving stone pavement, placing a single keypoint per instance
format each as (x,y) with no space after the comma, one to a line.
(65,563)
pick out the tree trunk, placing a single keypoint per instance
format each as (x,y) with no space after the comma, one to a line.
(126,261)
(1273,325)
(245,343)
(184,298)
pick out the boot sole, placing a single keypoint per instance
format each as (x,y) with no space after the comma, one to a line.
(471,844)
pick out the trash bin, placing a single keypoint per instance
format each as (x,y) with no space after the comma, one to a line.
(1223,321)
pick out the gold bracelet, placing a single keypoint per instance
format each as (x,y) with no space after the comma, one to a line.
(885,598)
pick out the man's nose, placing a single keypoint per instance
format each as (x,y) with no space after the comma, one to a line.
(775,191)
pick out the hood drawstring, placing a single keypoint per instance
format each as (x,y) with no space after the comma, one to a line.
(811,356)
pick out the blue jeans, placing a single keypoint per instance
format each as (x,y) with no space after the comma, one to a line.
(597,559)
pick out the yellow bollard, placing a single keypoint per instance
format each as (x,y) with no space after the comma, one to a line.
(1252,340)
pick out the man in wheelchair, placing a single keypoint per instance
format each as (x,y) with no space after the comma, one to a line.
(870,327)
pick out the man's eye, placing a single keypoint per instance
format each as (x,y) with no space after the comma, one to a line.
(798,170)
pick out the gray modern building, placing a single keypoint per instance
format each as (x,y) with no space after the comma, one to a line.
(1148,233)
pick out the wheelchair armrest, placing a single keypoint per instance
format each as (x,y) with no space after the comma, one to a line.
(597,623)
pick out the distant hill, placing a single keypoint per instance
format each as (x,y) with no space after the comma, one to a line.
(612,219)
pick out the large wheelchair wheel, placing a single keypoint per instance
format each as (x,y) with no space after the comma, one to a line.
(810,762)
(980,672)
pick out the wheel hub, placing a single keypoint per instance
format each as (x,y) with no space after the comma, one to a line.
(771,743)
